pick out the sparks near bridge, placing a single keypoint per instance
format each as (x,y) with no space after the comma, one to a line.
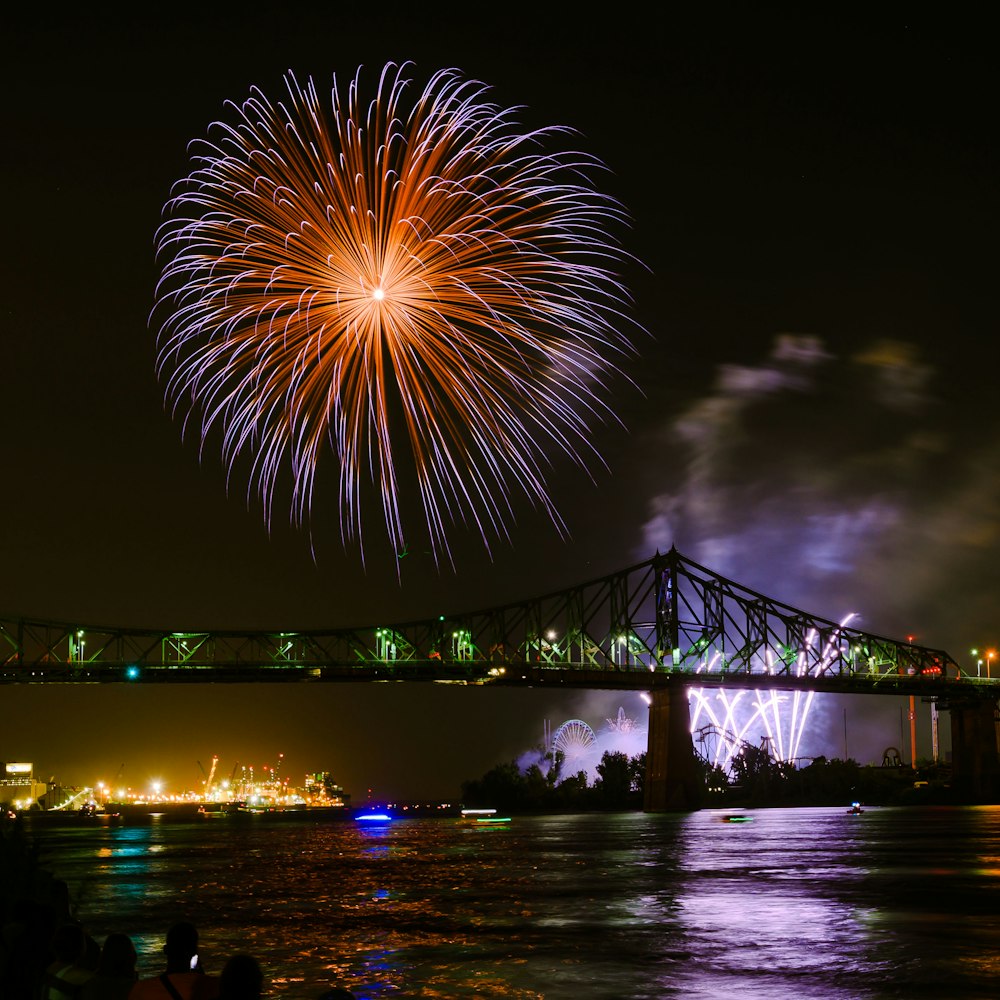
(418,286)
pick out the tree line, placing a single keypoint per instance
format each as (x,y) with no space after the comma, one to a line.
(754,778)
(511,788)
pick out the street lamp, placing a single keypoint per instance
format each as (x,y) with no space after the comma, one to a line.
(986,656)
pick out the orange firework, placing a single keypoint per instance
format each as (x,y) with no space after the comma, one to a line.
(333,270)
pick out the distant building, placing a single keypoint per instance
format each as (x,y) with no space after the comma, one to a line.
(18,788)
(320,788)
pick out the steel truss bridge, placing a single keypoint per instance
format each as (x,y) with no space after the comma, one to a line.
(641,629)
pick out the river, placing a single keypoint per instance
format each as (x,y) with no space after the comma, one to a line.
(789,903)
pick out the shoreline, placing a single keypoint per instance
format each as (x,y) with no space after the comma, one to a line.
(178,812)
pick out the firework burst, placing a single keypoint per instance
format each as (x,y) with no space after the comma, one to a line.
(725,721)
(402,284)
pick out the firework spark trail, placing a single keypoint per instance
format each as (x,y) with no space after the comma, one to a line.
(325,266)
(733,727)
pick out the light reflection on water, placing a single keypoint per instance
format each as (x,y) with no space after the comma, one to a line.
(797,903)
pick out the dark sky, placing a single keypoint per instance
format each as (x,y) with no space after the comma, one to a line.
(814,410)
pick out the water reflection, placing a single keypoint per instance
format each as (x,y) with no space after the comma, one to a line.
(803,903)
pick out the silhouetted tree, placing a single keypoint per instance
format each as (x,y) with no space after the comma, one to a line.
(501,788)
(614,782)
(573,792)
(637,774)
(556,760)
(536,789)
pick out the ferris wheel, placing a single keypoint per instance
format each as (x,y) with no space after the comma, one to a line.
(573,739)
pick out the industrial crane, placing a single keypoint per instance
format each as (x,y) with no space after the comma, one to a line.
(211,775)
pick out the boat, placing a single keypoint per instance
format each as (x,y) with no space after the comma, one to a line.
(471,815)
(484,816)
(855,809)
(373,816)
(241,807)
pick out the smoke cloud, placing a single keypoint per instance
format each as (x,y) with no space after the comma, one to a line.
(837,485)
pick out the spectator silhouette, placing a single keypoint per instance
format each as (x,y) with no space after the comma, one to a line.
(116,973)
(183,978)
(241,979)
(26,947)
(67,971)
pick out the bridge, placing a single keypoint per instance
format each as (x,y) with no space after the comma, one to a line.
(657,626)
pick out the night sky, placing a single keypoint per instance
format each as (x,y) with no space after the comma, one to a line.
(814,411)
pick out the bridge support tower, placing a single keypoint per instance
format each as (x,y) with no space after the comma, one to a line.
(671,782)
(974,750)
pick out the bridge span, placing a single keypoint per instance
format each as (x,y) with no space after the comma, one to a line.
(658,626)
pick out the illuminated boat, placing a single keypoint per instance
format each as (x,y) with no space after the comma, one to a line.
(373,817)
(855,809)
(241,807)
(483,816)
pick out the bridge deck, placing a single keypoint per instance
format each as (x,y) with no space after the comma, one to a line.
(634,630)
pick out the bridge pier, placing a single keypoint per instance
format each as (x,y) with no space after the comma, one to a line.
(671,782)
(974,750)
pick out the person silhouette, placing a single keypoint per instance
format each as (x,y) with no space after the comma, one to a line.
(116,973)
(69,968)
(241,979)
(183,978)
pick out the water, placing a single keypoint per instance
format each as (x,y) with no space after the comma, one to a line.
(803,903)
